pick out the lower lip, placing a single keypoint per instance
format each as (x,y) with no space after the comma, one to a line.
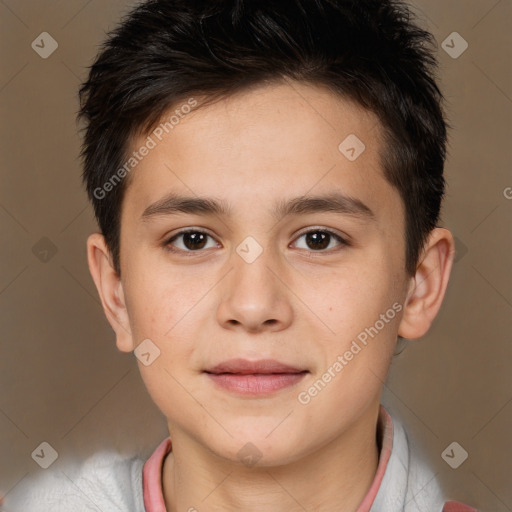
(256,384)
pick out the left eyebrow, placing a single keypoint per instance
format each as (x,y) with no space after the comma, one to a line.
(335,202)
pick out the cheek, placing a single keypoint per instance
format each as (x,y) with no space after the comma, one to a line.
(158,300)
(362,305)
(166,389)
(164,308)
(364,314)
(354,298)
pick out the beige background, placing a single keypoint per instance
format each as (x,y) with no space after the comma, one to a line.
(62,379)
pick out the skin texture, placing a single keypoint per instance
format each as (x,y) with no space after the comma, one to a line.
(295,303)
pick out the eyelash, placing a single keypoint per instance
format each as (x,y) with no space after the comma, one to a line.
(342,241)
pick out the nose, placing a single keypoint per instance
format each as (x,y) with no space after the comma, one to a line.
(253,298)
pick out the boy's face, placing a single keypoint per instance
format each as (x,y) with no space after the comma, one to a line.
(301,302)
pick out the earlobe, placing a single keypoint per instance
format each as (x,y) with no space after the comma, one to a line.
(110,290)
(428,285)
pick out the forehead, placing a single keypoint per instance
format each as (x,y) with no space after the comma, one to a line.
(262,145)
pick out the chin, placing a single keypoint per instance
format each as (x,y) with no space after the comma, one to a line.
(255,447)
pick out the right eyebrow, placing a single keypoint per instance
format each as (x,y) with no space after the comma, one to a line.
(174,203)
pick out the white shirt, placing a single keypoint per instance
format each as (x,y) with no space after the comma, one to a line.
(109,482)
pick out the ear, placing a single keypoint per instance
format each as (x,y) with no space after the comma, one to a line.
(110,290)
(428,285)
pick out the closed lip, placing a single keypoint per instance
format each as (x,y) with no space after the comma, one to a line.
(247,367)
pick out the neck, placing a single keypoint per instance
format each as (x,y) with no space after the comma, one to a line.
(336,477)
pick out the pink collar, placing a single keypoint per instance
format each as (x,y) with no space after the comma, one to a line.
(153,468)
(152,478)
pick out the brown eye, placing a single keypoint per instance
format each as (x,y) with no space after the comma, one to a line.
(194,240)
(320,240)
(189,241)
